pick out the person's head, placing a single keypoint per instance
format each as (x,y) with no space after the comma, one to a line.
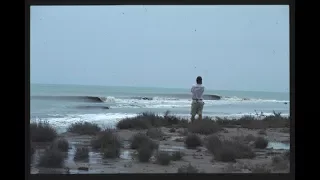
(199,80)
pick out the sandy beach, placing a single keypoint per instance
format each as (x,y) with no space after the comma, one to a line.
(272,159)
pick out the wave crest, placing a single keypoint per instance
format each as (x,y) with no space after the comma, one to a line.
(72,98)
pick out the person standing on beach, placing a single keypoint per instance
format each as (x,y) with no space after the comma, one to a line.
(197,99)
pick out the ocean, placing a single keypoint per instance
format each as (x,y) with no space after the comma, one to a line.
(62,105)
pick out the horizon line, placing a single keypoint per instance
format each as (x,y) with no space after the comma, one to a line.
(155,87)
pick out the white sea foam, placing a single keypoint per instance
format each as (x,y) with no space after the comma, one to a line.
(104,120)
(183,103)
(252,100)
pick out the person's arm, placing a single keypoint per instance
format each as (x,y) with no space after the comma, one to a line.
(202,90)
(192,89)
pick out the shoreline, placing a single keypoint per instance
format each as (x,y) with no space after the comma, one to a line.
(112,124)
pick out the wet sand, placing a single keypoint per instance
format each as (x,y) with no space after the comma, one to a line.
(199,158)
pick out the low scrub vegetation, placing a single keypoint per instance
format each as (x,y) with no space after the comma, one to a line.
(285,130)
(149,120)
(140,139)
(108,143)
(189,169)
(145,152)
(42,131)
(84,128)
(252,122)
(261,168)
(110,151)
(164,158)
(262,132)
(245,139)
(52,158)
(144,145)
(172,130)
(82,154)
(155,133)
(177,156)
(104,138)
(193,141)
(227,150)
(183,132)
(287,155)
(61,144)
(205,127)
(261,143)
(281,163)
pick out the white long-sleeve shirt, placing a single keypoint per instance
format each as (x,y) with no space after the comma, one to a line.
(197,91)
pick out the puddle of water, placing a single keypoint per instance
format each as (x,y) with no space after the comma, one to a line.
(94,157)
(278,146)
(95,161)
(36,156)
(173,138)
(126,144)
(126,155)
(170,148)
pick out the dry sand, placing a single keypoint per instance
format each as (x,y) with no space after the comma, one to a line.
(200,157)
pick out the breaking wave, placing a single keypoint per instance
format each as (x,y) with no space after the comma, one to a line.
(72,98)
(170,99)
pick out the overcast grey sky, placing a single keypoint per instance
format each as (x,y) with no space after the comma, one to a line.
(232,47)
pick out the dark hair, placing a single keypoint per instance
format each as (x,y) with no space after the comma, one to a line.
(199,80)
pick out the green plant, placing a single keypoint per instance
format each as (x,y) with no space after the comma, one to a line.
(177,156)
(84,128)
(192,141)
(144,153)
(261,143)
(105,139)
(42,131)
(155,133)
(82,153)
(52,158)
(140,139)
(61,144)
(205,127)
(188,169)
(163,158)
